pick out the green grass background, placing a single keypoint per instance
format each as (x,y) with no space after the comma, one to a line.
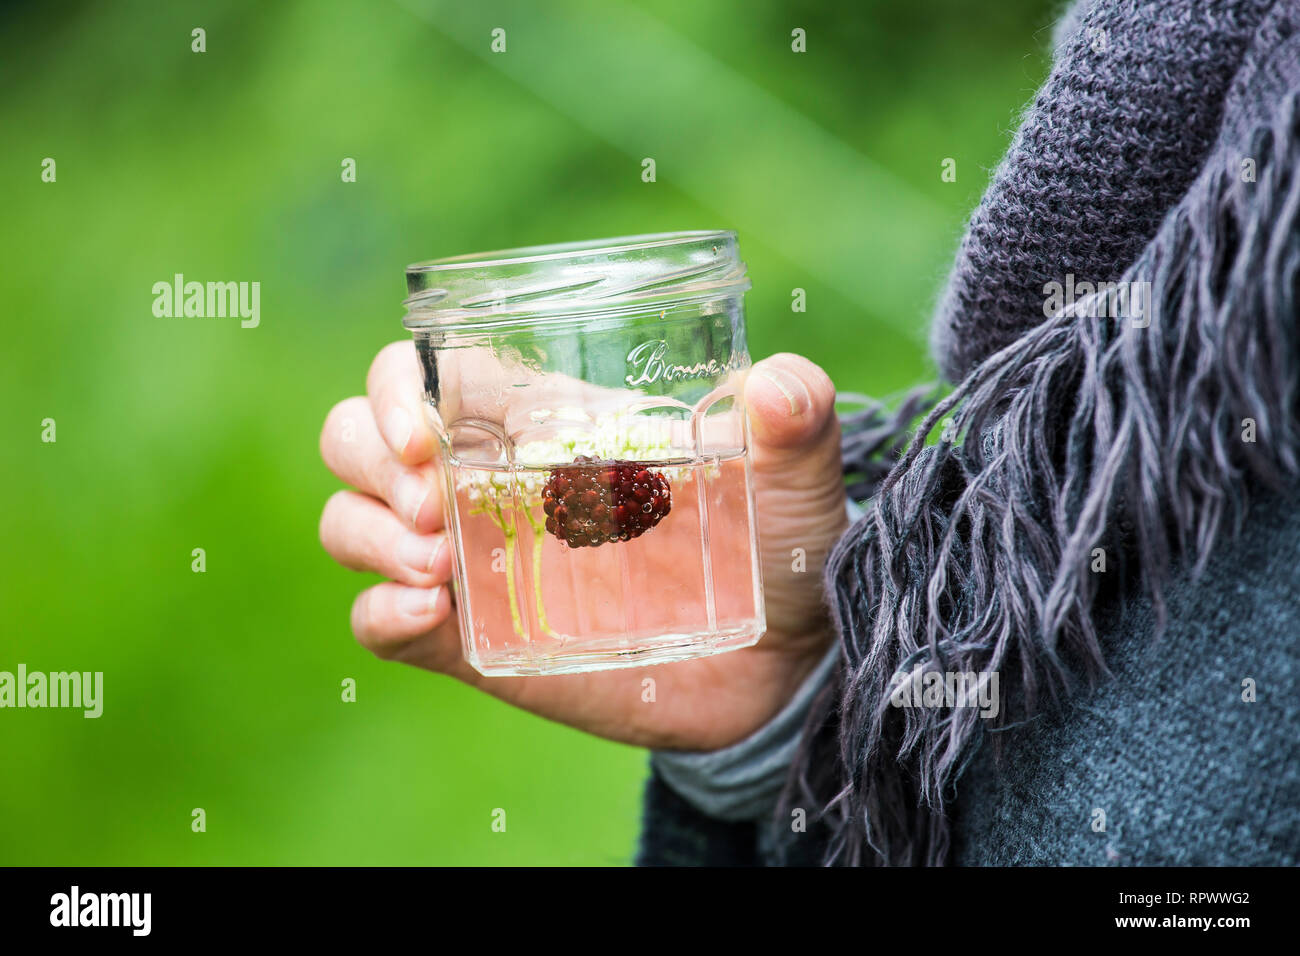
(223,688)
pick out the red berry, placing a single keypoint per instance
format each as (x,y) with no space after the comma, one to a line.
(590,502)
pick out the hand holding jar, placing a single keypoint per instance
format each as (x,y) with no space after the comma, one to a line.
(577,438)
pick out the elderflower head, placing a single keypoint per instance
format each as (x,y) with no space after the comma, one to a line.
(608,437)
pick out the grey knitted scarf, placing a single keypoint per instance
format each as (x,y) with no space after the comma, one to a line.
(1162,154)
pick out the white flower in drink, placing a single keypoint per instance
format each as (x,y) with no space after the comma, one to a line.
(608,437)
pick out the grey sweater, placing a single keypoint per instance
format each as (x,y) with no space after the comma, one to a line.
(1190,755)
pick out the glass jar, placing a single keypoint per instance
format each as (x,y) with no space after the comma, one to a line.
(588,400)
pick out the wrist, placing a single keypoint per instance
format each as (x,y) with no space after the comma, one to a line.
(743,781)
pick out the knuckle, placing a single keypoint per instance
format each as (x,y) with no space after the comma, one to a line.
(385,361)
(361,622)
(379,473)
(374,554)
(330,515)
(367,624)
(336,422)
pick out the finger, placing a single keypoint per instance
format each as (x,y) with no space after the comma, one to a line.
(360,533)
(389,618)
(396,389)
(791,404)
(353,449)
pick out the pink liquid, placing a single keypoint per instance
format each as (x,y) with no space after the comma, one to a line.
(530,604)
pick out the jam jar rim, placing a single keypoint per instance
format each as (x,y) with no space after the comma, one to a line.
(572,279)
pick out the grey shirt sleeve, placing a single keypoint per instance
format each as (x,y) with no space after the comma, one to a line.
(743,781)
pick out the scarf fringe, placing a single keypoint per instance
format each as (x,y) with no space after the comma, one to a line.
(975,554)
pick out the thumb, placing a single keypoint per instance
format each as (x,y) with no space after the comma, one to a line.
(798,485)
(791,404)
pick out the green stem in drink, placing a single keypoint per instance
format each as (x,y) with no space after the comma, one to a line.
(510,585)
(538,541)
(492,508)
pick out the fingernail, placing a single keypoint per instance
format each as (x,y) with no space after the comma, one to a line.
(398,428)
(417,602)
(409,495)
(420,551)
(792,387)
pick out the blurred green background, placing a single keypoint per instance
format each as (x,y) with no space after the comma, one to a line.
(222,689)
